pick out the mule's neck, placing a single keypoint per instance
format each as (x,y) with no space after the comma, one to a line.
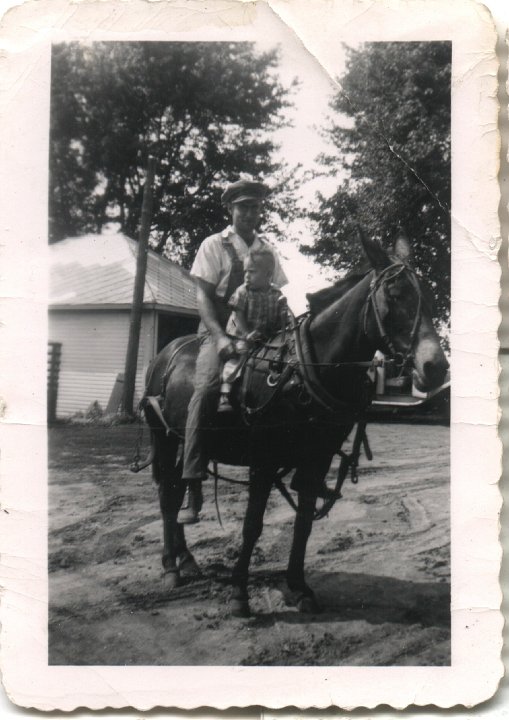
(337,332)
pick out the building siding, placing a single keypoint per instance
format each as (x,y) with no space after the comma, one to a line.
(94,345)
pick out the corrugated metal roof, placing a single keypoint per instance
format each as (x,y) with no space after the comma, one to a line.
(100,270)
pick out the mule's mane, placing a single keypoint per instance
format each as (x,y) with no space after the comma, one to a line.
(321,299)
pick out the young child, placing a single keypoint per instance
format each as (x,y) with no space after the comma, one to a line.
(256,314)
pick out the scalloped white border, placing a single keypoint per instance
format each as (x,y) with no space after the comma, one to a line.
(476,451)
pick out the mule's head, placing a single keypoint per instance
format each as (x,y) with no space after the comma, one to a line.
(398,317)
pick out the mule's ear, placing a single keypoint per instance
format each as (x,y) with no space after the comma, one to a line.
(374,251)
(402,248)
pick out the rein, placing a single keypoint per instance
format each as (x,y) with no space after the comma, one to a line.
(306,365)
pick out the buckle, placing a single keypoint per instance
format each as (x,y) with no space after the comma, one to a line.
(273,379)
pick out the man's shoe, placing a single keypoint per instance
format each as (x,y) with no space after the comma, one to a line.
(190,515)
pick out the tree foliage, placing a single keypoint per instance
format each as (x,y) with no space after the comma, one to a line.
(391,134)
(206,111)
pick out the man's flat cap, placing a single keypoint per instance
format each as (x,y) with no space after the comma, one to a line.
(244,190)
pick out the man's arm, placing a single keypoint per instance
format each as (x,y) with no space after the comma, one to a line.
(205,295)
(239,318)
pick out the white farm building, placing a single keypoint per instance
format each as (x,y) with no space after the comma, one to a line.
(91,290)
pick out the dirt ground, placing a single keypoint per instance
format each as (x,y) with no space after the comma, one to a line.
(379,564)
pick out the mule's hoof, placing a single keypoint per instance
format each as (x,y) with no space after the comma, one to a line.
(187,565)
(308,604)
(304,600)
(171,579)
(240,608)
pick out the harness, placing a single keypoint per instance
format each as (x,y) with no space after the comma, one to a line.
(296,358)
(295,363)
(291,364)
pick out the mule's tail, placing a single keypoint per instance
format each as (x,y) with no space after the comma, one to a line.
(155,419)
(152,402)
(154,414)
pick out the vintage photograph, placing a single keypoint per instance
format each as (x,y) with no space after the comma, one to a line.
(248,354)
(250,291)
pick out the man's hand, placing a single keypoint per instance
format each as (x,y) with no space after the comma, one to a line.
(241,346)
(254,336)
(225,347)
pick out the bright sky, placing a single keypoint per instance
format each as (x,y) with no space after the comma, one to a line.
(301,144)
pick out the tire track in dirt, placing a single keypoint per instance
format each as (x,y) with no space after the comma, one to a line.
(379,564)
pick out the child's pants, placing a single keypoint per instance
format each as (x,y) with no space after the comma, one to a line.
(231,369)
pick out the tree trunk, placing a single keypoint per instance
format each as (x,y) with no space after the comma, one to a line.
(139,287)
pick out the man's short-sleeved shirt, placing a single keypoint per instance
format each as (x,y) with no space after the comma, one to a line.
(260,307)
(213,263)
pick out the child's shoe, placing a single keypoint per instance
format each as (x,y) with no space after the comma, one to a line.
(224,404)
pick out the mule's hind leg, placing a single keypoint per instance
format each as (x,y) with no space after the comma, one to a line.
(260,483)
(301,593)
(168,477)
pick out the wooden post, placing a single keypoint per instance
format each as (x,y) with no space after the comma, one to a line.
(131,360)
(54,357)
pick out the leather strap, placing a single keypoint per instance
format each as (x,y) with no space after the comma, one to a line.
(235,280)
(236,277)
(311,380)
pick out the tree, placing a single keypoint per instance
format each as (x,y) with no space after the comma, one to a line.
(205,111)
(391,134)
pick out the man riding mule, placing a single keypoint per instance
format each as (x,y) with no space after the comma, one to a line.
(219,270)
(301,395)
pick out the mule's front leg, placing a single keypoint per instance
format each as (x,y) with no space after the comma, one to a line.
(260,483)
(302,595)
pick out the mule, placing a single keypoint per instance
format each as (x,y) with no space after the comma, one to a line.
(300,398)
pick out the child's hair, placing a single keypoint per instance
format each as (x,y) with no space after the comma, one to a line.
(262,257)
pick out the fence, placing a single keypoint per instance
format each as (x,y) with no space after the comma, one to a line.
(54,359)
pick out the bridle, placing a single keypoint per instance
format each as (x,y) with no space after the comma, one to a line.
(388,274)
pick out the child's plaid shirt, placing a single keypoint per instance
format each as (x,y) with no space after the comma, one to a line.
(260,308)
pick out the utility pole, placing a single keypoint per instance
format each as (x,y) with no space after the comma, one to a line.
(131,360)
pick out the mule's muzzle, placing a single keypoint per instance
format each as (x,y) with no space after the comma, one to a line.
(430,363)
(431,377)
